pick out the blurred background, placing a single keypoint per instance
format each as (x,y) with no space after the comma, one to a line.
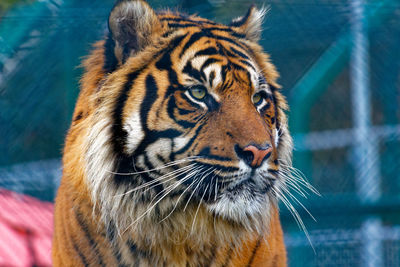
(340,71)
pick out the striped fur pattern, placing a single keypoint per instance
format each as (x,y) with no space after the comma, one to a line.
(155,170)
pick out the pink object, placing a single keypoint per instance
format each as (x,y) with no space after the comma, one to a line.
(26,227)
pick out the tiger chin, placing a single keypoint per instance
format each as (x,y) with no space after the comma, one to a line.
(176,149)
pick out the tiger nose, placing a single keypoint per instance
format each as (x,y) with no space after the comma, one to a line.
(253,155)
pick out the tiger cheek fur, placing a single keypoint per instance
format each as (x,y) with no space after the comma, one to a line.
(174,152)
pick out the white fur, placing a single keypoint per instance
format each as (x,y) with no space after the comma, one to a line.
(217,79)
(99,158)
(161,147)
(180,142)
(253,212)
(254,25)
(135,132)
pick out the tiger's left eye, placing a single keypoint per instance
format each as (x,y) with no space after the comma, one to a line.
(198,92)
(257,99)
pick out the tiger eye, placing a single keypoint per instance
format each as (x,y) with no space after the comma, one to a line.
(257,98)
(198,92)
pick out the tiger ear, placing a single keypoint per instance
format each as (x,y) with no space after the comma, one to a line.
(132,24)
(250,24)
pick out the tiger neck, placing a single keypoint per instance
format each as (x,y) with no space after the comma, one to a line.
(182,238)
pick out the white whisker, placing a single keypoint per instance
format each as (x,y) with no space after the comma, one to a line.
(167,190)
(195,172)
(198,207)
(155,182)
(172,163)
(198,184)
(295,214)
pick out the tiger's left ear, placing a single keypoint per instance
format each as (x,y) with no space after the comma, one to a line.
(132,24)
(251,24)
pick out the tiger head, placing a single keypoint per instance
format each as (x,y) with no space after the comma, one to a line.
(187,116)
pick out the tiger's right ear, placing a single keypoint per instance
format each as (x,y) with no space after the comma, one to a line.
(132,24)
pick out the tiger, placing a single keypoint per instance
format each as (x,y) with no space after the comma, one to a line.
(177,146)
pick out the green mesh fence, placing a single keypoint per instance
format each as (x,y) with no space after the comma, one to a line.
(340,70)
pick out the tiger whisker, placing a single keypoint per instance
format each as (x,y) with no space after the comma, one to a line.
(292,183)
(167,190)
(198,207)
(155,182)
(198,184)
(173,175)
(299,176)
(187,188)
(297,201)
(176,184)
(172,163)
(216,184)
(301,184)
(294,213)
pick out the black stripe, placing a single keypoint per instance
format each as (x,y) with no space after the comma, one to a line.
(218,167)
(152,136)
(232,41)
(211,78)
(172,106)
(81,256)
(112,235)
(78,116)
(160,158)
(184,112)
(208,62)
(139,253)
(248,64)
(148,163)
(224,71)
(223,29)
(182,19)
(85,229)
(119,134)
(192,71)
(205,153)
(177,25)
(238,67)
(207,52)
(194,38)
(210,261)
(149,98)
(228,256)
(135,253)
(238,53)
(253,253)
(187,146)
(227,85)
(124,165)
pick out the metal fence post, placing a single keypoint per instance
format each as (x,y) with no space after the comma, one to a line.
(366,156)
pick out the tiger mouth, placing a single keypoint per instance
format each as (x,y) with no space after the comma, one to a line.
(252,181)
(249,184)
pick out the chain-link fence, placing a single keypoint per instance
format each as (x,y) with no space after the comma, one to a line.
(340,70)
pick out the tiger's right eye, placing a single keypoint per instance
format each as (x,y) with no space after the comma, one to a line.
(257,99)
(198,92)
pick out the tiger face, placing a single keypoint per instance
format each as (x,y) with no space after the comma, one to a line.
(188,116)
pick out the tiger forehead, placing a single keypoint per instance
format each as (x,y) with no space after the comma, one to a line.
(210,52)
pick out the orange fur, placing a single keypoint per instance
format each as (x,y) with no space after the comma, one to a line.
(192,237)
